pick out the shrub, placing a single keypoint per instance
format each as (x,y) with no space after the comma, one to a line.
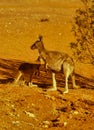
(83,29)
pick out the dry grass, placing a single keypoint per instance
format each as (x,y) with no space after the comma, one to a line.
(21,21)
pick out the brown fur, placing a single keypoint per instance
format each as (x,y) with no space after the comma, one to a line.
(56,61)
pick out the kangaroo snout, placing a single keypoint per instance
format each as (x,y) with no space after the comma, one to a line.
(33,47)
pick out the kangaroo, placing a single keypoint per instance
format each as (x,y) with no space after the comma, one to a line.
(25,69)
(56,62)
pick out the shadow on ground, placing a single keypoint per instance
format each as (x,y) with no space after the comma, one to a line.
(9,69)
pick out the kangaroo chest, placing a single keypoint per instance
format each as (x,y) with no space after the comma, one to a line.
(55,65)
(53,61)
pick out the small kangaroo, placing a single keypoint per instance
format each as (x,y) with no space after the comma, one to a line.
(56,62)
(27,69)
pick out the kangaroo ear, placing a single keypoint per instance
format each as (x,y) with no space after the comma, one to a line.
(40,37)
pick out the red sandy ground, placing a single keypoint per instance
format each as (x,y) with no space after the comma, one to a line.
(26,108)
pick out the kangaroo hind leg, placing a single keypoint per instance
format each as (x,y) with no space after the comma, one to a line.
(68,70)
(54,88)
(73,81)
(30,84)
(18,77)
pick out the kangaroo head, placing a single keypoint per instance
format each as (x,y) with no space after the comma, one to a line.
(38,44)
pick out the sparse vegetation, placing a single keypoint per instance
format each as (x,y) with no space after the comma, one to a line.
(83,29)
(35,108)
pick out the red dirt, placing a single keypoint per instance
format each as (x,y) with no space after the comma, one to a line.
(34,108)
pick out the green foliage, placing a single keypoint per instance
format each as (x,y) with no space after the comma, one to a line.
(83,29)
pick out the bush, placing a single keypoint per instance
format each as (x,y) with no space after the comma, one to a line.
(83,29)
